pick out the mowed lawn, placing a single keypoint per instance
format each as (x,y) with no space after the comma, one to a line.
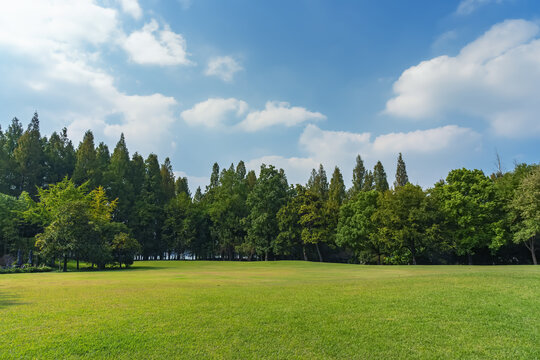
(273,310)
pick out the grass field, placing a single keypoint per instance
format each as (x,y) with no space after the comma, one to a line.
(274,310)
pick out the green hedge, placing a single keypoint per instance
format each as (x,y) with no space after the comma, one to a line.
(28,269)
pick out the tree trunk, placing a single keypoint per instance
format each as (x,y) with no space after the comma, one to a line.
(266,256)
(378,258)
(533,254)
(318,252)
(304,251)
(65,264)
(77,263)
(469,257)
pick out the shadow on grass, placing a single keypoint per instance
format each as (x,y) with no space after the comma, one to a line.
(9,300)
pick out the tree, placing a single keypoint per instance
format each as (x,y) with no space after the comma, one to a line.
(124,248)
(318,183)
(28,156)
(467,202)
(290,231)
(379,177)
(526,208)
(336,192)
(401,173)
(181,186)
(406,218)
(313,220)
(118,178)
(359,173)
(269,194)
(368,182)
(214,178)
(357,229)
(59,157)
(86,164)
(103,160)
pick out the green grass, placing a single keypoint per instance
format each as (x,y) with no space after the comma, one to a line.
(274,310)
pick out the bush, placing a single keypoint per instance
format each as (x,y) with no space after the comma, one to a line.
(26,269)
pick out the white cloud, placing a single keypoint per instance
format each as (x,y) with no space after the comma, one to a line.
(68,37)
(494,78)
(224,67)
(193,181)
(132,8)
(214,112)
(339,148)
(151,46)
(278,113)
(467,7)
(218,112)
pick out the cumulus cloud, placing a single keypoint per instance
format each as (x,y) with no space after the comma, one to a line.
(278,113)
(152,46)
(217,112)
(69,36)
(339,148)
(494,78)
(224,67)
(132,8)
(467,7)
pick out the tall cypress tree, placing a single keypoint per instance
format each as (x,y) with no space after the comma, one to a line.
(181,186)
(336,192)
(167,180)
(251,179)
(241,170)
(119,184)
(401,173)
(379,177)
(86,160)
(103,159)
(368,181)
(29,158)
(359,173)
(214,178)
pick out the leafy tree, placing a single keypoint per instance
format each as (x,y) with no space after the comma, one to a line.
(269,194)
(357,229)
(401,173)
(124,248)
(379,177)
(406,217)
(526,207)
(313,220)
(178,231)
(467,202)
(290,231)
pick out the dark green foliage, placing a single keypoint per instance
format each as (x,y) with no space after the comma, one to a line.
(28,156)
(318,183)
(379,177)
(86,163)
(359,174)
(181,186)
(336,192)
(269,194)
(401,173)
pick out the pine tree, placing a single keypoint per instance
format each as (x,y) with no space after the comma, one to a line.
(181,186)
(359,174)
(29,158)
(241,170)
(318,183)
(198,195)
(103,159)
(336,192)
(251,179)
(214,178)
(368,181)
(118,178)
(401,173)
(86,160)
(379,177)
(167,180)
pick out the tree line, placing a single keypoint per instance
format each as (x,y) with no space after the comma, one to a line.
(87,204)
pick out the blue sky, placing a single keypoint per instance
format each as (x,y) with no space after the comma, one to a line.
(290,83)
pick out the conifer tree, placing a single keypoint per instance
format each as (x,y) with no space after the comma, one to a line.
(241,170)
(336,192)
(8,176)
(359,174)
(119,184)
(251,179)
(181,186)
(167,180)
(86,160)
(318,183)
(379,177)
(401,173)
(198,195)
(214,178)
(103,159)
(368,181)
(29,158)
